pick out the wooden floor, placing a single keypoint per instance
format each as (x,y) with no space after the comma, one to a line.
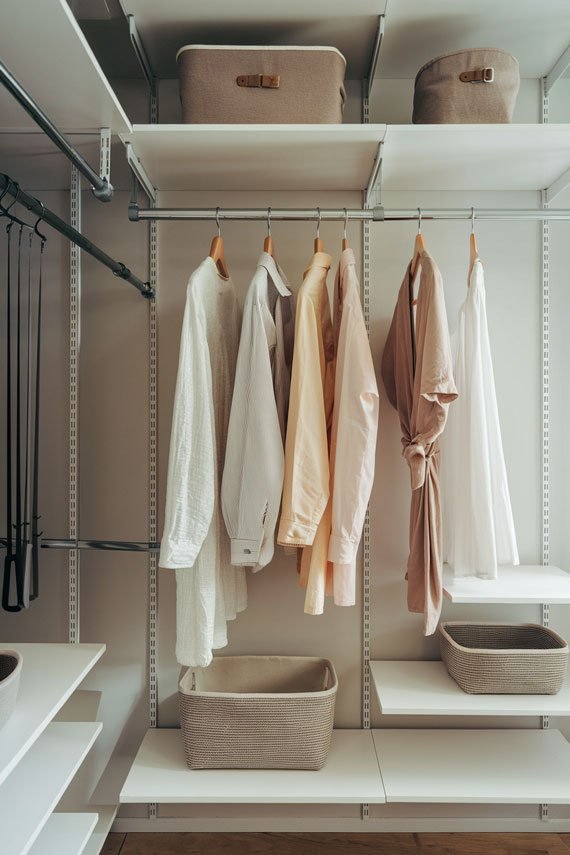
(337,844)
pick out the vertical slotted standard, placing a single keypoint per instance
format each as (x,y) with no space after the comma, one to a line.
(74,351)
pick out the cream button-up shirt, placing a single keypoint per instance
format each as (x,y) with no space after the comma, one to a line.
(253,473)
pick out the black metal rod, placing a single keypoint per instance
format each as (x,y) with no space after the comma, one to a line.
(32,204)
(102,188)
(105,545)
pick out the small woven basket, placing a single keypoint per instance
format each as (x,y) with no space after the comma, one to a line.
(258,712)
(10,668)
(503,659)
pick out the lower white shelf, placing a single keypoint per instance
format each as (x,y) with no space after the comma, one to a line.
(65,834)
(31,792)
(425,688)
(159,774)
(107,814)
(474,766)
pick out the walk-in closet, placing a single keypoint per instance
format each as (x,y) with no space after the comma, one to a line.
(284,395)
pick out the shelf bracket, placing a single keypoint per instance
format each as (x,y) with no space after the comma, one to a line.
(104,155)
(375,181)
(557,187)
(375,55)
(141,55)
(559,69)
(141,175)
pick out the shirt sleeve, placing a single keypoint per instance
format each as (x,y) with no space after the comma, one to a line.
(355,446)
(306,483)
(191,475)
(253,471)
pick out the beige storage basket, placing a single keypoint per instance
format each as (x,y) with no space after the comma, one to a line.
(503,659)
(470,86)
(258,712)
(263,85)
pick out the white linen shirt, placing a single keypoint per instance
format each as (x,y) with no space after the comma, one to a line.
(209,591)
(253,473)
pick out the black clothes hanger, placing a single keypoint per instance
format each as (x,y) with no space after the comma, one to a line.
(36,442)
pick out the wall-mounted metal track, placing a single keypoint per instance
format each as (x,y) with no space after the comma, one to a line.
(74,352)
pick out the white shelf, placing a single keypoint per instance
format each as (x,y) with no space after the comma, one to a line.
(253,157)
(50,675)
(159,774)
(30,794)
(49,55)
(425,688)
(526,583)
(417,31)
(65,834)
(165,27)
(474,766)
(474,157)
(107,814)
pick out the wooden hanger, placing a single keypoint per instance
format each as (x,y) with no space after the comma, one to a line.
(344,237)
(319,245)
(217,252)
(268,244)
(473,251)
(419,245)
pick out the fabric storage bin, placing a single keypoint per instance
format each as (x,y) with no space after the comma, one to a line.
(265,85)
(258,712)
(469,86)
(10,669)
(503,659)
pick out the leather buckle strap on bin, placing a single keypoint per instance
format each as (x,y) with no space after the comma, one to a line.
(478,75)
(259,81)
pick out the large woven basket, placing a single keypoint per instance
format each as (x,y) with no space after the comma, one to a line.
(10,669)
(504,659)
(258,712)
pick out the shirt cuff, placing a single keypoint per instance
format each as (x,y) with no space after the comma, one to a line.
(293,533)
(244,553)
(177,556)
(342,550)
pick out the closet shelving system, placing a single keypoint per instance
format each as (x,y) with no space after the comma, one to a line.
(365,767)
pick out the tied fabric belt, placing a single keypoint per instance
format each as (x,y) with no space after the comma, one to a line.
(418,459)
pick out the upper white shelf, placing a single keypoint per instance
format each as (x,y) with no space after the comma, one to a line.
(474,766)
(257,157)
(46,51)
(523,584)
(474,157)
(159,774)
(50,674)
(417,31)
(165,27)
(425,688)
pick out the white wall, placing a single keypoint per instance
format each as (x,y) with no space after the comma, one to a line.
(114,439)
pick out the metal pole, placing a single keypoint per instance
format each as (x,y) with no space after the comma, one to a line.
(375,214)
(102,188)
(32,204)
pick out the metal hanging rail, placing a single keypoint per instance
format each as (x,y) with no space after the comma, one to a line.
(102,188)
(105,545)
(376,214)
(11,188)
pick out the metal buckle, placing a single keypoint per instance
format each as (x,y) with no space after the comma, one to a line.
(488,75)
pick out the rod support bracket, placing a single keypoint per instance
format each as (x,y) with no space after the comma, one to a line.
(378,214)
(105,193)
(133,213)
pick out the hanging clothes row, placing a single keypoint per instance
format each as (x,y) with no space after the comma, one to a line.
(274,434)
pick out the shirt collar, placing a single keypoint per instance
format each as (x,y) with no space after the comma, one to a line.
(319,259)
(346,259)
(277,276)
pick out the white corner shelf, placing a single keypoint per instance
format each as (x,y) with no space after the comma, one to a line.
(474,157)
(474,766)
(71,87)
(106,814)
(50,675)
(65,834)
(165,27)
(526,583)
(257,157)
(159,774)
(425,688)
(30,794)
(417,31)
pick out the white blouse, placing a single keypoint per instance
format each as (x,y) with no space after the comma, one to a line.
(479,532)
(209,591)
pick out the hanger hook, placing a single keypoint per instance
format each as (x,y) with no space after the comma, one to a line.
(318,222)
(419,221)
(269,221)
(218,221)
(472,221)
(345,223)
(42,237)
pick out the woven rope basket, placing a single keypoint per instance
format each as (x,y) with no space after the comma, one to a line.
(258,712)
(503,659)
(10,669)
